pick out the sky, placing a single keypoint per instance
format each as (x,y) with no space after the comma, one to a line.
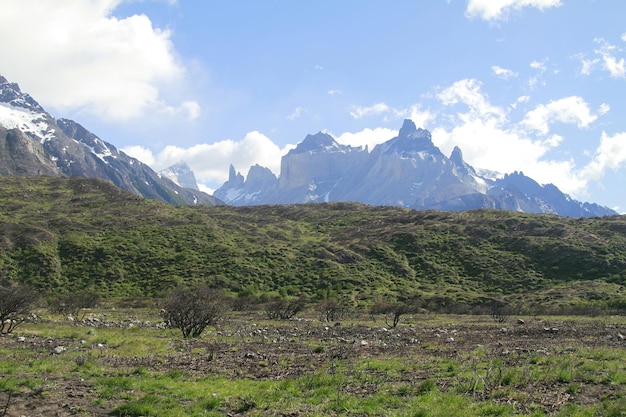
(537,86)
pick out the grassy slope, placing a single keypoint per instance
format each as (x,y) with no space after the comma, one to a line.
(65,234)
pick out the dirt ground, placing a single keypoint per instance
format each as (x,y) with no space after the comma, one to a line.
(278,350)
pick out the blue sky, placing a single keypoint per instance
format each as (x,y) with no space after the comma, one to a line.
(519,85)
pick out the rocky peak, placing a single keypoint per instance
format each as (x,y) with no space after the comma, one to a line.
(234,177)
(320,142)
(408,128)
(457,156)
(260,176)
(181,174)
(410,139)
(11,94)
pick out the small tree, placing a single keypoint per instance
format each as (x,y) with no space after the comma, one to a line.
(332,310)
(500,311)
(394,311)
(194,309)
(16,302)
(284,309)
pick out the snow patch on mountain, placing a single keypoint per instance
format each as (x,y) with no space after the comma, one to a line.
(32,123)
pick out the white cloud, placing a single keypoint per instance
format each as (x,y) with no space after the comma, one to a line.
(297,112)
(468,92)
(334,92)
(92,61)
(489,140)
(139,152)
(500,9)
(538,65)
(503,73)
(611,154)
(415,113)
(588,65)
(611,63)
(367,137)
(537,79)
(571,109)
(359,112)
(210,162)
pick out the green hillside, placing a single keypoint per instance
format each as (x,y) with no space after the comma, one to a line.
(70,234)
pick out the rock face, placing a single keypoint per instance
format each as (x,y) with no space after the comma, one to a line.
(406,171)
(181,174)
(33,143)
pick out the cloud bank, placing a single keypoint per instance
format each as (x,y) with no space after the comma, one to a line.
(83,58)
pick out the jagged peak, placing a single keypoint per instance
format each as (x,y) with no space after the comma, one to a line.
(11,94)
(180,165)
(232,173)
(456,155)
(315,143)
(411,139)
(408,127)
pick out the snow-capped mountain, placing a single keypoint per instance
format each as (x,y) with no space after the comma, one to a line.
(406,171)
(32,142)
(181,174)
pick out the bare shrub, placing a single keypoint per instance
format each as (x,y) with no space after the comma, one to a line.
(332,310)
(500,311)
(392,312)
(71,304)
(16,302)
(284,309)
(194,309)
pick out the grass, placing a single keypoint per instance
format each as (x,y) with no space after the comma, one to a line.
(148,372)
(65,235)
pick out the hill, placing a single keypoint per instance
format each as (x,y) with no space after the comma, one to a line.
(67,234)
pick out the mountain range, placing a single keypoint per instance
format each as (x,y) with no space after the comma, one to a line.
(406,171)
(32,142)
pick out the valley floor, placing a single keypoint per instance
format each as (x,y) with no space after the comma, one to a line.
(123,363)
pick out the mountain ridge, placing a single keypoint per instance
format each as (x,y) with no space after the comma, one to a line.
(405,171)
(32,142)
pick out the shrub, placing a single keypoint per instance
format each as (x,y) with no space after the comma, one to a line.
(71,304)
(284,309)
(394,311)
(332,310)
(16,302)
(194,309)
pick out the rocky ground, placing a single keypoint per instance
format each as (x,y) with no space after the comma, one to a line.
(277,350)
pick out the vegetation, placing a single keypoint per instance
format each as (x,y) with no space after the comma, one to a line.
(194,309)
(16,302)
(70,235)
(122,362)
